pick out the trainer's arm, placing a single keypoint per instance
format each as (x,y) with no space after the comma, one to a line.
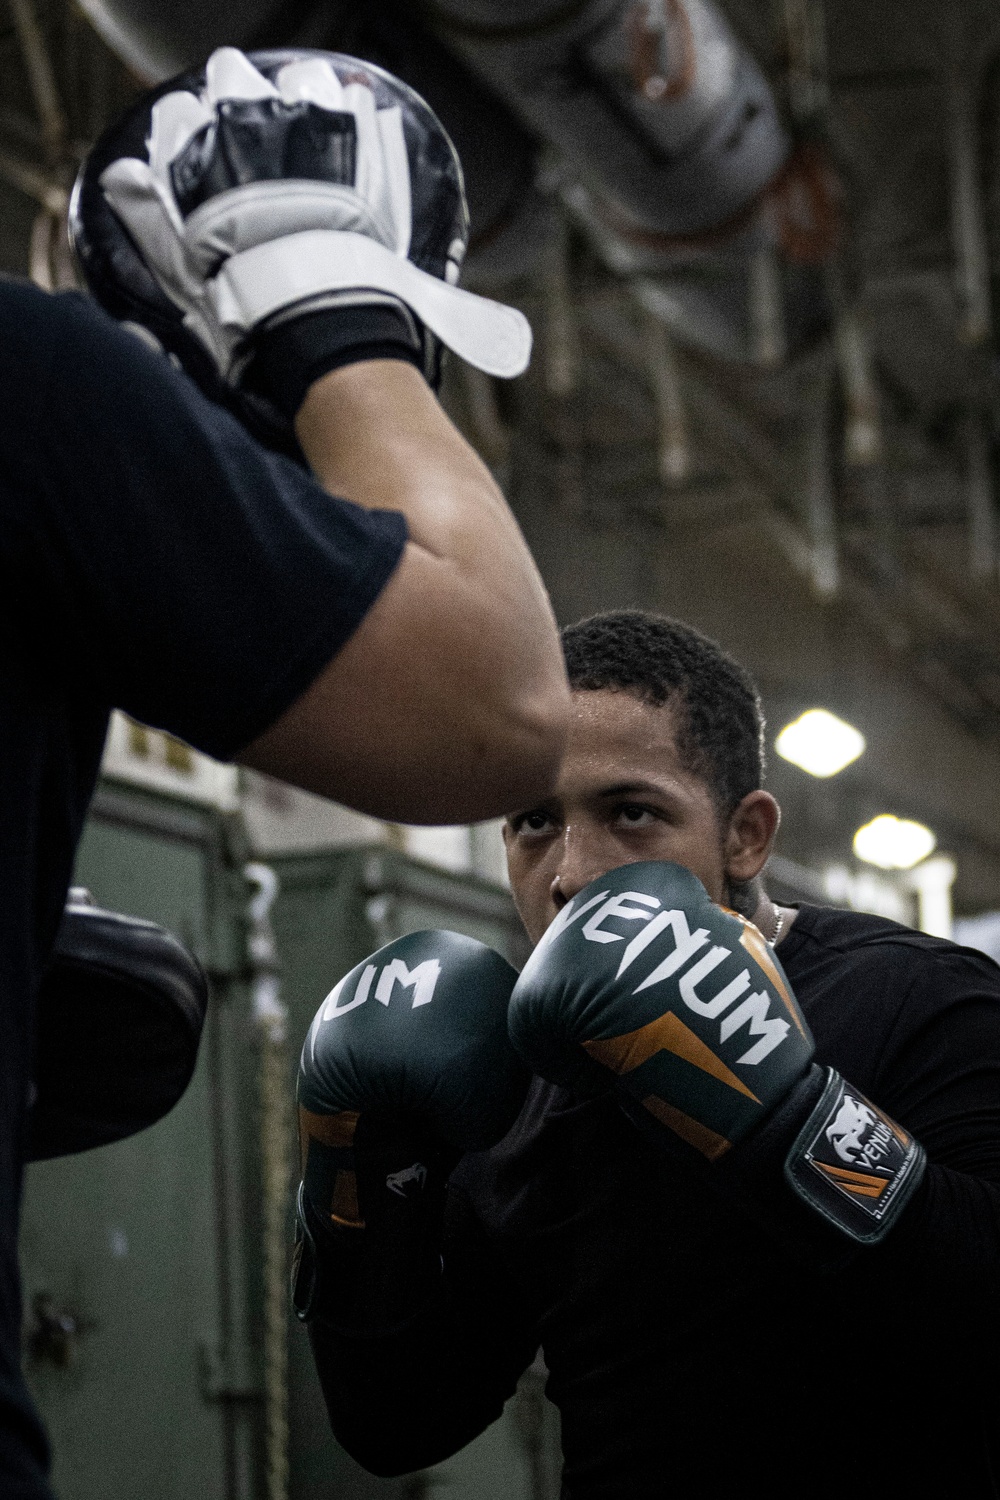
(449,703)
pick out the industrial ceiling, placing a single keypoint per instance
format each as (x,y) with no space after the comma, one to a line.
(767,406)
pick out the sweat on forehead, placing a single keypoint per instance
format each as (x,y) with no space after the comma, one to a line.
(718,723)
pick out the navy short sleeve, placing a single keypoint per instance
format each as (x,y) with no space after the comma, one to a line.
(153,550)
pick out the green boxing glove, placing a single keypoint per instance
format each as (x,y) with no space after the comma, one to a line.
(643,984)
(407,1065)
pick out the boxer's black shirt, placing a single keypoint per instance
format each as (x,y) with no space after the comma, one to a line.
(152,558)
(696,1349)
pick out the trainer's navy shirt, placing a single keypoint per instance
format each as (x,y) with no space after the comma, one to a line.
(699,1346)
(152,558)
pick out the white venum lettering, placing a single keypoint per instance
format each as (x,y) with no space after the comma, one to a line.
(595,933)
(332,1007)
(421,980)
(688,983)
(723,1000)
(565,919)
(642,940)
(754,1011)
(686,943)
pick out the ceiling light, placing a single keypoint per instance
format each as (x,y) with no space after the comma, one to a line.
(820,743)
(893,843)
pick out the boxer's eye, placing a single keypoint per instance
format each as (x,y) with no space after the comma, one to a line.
(532,824)
(634,815)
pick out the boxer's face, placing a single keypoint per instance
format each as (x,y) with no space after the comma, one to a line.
(623,796)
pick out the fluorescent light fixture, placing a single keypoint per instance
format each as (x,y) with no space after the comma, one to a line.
(893,843)
(820,743)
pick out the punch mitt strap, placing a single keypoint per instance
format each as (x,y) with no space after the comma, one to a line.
(853,1164)
(120,1013)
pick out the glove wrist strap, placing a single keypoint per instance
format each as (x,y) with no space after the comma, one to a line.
(293,353)
(852,1164)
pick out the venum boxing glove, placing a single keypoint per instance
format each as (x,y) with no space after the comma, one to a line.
(279,214)
(407,1065)
(643,984)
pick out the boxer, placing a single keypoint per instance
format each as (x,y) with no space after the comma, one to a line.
(750,1207)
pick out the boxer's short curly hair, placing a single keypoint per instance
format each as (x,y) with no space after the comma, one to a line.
(719,723)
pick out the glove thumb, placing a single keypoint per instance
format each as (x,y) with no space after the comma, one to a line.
(152,219)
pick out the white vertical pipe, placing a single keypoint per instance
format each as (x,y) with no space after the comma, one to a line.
(932,882)
(968,226)
(767,308)
(979,496)
(674,457)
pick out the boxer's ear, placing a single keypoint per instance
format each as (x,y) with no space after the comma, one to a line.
(749,836)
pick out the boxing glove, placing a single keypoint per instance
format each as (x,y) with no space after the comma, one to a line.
(644,985)
(407,1065)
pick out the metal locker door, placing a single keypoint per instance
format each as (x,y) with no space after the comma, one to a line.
(136,1344)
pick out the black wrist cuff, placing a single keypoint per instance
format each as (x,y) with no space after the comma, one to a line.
(751,1174)
(853,1164)
(289,357)
(790,1178)
(371,1270)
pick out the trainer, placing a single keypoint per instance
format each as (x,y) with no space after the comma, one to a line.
(393,648)
(754,1221)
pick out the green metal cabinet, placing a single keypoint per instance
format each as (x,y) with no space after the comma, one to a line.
(142,1262)
(140,1247)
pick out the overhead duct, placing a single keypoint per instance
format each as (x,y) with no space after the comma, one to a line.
(655,103)
(158,38)
(680,168)
(669,146)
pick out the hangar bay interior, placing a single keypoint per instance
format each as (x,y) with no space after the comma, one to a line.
(759,246)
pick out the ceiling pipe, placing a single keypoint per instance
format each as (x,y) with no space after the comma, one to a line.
(672,155)
(675,160)
(654,103)
(509,219)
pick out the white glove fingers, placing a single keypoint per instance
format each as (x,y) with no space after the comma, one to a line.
(397,176)
(175,120)
(229,74)
(150,214)
(313,80)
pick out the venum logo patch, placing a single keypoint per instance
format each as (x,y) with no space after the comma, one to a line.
(854,1163)
(860,1152)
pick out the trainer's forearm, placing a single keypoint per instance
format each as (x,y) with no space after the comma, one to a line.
(375,433)
(489,650)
